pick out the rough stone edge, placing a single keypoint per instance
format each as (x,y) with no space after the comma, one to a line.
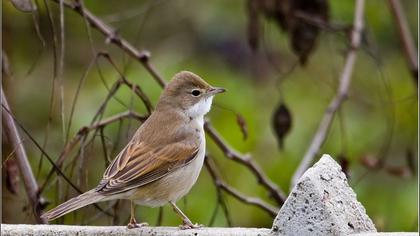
(326,159)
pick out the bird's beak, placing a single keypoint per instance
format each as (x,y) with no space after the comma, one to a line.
(216,90)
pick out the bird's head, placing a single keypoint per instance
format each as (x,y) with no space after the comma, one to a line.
(188,92)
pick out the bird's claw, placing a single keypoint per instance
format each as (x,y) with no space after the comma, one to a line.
(189,225)
(133,225)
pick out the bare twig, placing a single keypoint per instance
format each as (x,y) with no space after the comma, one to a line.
(35,20)
(55,167)
(54,78)
(31,186)
(76,96)
(134,87)
(159,217)
(236,194)
(210,163)
(248,162)
(114,38)
(83,132)
(80,135)
(338,99)
(112,119)
(406,37)
(61,68)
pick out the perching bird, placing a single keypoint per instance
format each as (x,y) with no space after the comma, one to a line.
(163,159)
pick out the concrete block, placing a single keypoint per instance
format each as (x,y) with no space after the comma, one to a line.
(388,234)
(62,230)
(322,203)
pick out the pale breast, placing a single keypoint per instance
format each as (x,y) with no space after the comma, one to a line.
(177,184)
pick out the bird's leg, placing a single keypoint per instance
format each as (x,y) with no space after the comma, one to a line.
(133,223)
(186,223)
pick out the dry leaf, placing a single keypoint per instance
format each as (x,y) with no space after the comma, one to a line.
(282,123)
(276,10)
(12,175)
(400,171)
(300,19)
(369,161)
(303,15)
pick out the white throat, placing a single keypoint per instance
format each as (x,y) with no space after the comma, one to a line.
(200,108)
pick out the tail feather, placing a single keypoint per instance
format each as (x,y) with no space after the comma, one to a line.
(73,204)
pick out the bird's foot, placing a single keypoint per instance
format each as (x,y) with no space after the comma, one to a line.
(134,224)
(189,225)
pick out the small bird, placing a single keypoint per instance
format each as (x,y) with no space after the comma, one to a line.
(163,159)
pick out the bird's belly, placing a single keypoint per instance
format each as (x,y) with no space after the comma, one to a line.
(171,187)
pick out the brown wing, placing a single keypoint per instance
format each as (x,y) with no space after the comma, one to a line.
(139,164)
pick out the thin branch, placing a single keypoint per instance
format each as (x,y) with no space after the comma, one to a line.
(405,36)
(54,78)
(55,167)
(134,87)
(246,160)
(159,218)
(338,99)
(107,121)
(31,186)
(72,143)
(219,192)
(104,149)
(83,132)
(114,38)
(236,194)
(35,20)
(61,68)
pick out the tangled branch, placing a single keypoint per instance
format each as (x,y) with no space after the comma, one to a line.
(235,193)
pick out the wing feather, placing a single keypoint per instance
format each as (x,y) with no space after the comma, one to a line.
(139,164)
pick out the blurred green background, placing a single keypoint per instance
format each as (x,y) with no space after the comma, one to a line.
(209,38)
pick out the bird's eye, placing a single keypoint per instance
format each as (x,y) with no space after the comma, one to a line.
(196,92)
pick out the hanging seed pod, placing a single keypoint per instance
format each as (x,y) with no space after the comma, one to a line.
(304,19)
(303,41)
(369,161)
(276,10)
(282,123)
(399,171)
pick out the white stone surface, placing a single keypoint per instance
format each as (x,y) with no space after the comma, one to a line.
(61,230)
(322,203)
(388,234)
